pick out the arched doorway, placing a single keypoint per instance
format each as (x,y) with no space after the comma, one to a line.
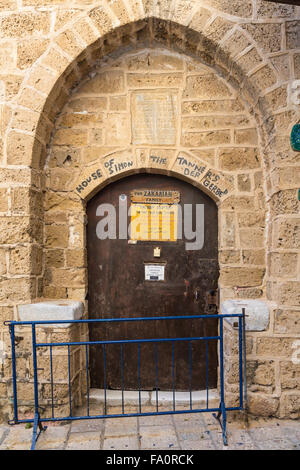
(150,278)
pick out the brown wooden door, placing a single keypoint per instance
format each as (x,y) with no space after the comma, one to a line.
(118,289)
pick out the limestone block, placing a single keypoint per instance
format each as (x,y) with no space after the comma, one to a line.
(297,65)
(189,166)
(213,122)
(285,202)
(283,264)
(6,313)
(267,35)
(246,136)
(117,130)
(154,60)
(28,51)
(290,406)
(105,82)
(264,78)
(249,61)
(161,158)
(277,98)
(229,256)
(205,155)
(256,257)
(244,182)
(289,375)
(205,139)
(212,105)
(292,34)
(142,157)
(56,60)
(118,103)
(101,19)
(200,18)
(57,236)
(286,233)
(119,9)
(65,157)
(257,313)
(216,183)
(19,147)
(17,289)
(67,42)
(52,310)
(74,138)
(252,237)
(215,31)
(31,99)
(206,87)
(239,158)
(170,80)
(22,257)
(118,162)
(14,229)
(3,200)
(288,293)
(280,347)
(287,321)
(89,179)
(251,219)
(262,405)
(75,258)
(25,24)
(62,179)
(228,233)
(87,105)
(7,56)
(55,258)
(12,84)
(78,120)
(235,43)
(68,277)
(59,202)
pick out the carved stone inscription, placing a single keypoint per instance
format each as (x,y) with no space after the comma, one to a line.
(154,117)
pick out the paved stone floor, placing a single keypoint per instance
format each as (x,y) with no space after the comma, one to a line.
(168,432)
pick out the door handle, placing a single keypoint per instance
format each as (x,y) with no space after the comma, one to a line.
(196,294)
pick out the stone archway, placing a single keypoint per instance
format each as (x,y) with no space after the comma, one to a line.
(209,140)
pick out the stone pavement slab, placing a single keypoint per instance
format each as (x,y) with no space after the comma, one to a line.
(164,432)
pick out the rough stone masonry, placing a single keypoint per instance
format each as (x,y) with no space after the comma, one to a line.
(78,82)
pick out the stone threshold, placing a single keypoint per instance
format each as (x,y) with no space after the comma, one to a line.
(114,397)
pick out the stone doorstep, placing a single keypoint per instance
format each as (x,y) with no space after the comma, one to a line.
(257,313)
(51,311)
(114,398)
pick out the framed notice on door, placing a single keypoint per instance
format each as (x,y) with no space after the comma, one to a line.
(154,215)
(154,272)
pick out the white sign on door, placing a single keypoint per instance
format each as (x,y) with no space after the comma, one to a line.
(154,272)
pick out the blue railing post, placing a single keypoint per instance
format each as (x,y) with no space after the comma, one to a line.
(222,410)
(14,373)
(241,360)
(244,359)
(36,423)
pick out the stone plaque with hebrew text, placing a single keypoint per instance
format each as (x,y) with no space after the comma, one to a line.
(154,117)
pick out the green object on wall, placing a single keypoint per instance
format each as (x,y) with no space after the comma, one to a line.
(295,137)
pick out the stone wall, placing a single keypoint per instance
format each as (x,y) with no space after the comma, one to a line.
(56,55)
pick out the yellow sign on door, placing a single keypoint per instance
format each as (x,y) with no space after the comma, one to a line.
(154,222)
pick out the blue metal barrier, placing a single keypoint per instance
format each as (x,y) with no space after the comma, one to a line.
(218,413)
